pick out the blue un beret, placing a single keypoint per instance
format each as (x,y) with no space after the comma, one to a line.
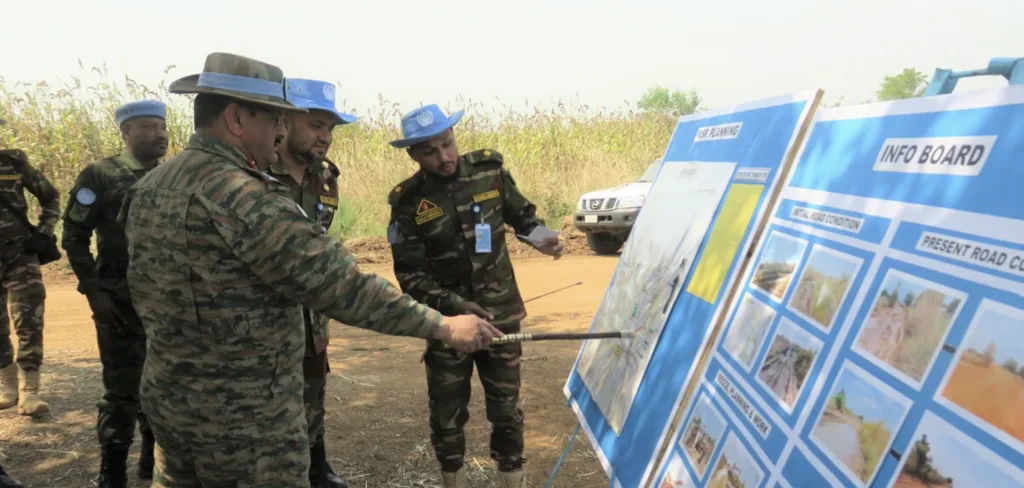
(140,108)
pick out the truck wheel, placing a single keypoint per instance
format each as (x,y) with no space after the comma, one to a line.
(604,244)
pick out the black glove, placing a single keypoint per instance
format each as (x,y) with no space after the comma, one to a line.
(44,246)
(38,242)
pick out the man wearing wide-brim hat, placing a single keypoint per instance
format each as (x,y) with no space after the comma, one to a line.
(220,260)
(447,236)
(312,180)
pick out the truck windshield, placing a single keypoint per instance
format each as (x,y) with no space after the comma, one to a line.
(650,173)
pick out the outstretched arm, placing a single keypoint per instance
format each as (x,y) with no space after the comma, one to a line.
(292,255)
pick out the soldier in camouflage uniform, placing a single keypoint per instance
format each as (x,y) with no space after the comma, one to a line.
(21,282)
(93,204)
(221,264)
(447,236)
(313,184)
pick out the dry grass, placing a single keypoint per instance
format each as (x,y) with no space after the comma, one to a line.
(555,155)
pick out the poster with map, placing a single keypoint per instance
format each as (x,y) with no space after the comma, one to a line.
(685,252)
(673,223)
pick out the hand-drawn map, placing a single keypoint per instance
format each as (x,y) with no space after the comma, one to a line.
(657,257)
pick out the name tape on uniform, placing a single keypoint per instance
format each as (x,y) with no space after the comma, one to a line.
(480,197)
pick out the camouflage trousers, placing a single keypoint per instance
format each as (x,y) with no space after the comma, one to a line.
(314,388)
(22,290)
(271,458)
(449,375)
(123,353)
(209,441)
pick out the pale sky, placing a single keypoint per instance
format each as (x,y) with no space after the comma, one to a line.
(599,52)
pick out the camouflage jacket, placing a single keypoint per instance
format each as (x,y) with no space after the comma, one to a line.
(93,204)
(432,236)
(317,194)
(16,176)
(221,263)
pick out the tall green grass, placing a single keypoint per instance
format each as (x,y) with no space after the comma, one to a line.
(555,155)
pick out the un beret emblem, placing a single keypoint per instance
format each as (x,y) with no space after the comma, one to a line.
(329,92)
(425,118)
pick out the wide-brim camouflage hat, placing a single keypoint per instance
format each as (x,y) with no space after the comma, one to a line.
(238,77)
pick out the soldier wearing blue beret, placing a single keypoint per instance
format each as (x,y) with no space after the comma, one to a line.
(447,236)
(312,181)
(93,205)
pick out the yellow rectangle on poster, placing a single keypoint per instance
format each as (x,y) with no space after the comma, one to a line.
(725,240)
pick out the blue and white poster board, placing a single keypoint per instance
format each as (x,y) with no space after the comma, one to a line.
(720,171)
(878,338)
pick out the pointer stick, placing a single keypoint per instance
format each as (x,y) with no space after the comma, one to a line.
(512,338)
(550,292)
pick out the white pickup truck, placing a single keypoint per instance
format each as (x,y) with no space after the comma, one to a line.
(607,215)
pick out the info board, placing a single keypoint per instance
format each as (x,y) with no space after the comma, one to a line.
(877,340)
(713,189)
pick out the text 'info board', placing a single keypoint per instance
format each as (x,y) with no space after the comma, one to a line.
(877,339)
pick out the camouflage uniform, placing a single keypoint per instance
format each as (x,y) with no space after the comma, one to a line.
(221,260)
(433,245)
(22,283)
(93,206)
(317,194)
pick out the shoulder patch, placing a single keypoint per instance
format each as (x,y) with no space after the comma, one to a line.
(485,156)
(394,237)
(85,196)
(330,166)
(14,154)
(403,188)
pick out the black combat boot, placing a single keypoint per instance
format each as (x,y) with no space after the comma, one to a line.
(146,456)
(6,481)
(320,473)
(114,467)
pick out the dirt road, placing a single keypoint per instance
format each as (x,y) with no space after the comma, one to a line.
(779,373)
(377,433)
(839,435)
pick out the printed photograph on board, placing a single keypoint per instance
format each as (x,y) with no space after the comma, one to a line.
(858,423)
(736,467)
(942,457)
(676,475)
(702,434)
(778,262)
(986,381)
(823,285)
(748,330)
(907,325)
(789,359)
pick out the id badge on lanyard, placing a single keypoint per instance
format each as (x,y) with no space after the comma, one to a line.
(482,232)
